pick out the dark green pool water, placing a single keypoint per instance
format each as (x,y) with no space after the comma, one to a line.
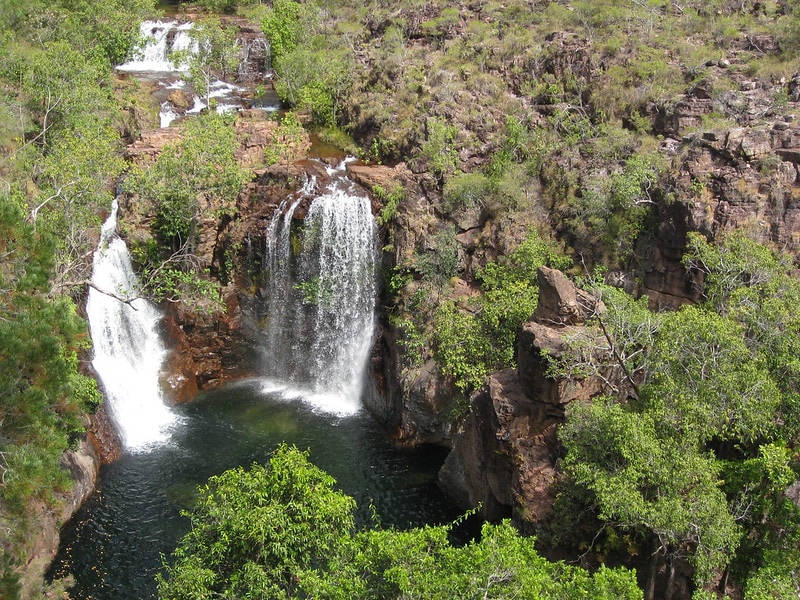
(113,546)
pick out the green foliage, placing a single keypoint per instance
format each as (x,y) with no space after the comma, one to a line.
(60,83)
(643,481)
(411,341)
(193,178)
(608,213)
(465,191)
(224,6)
(59,161)
(755,287)
(313,78)
(713,408)
(470,344)
(439,152)
(736,263)
(42,397)
(282,531)
(461,349)
(439,263)
(391,202)
(707,383)
(287,142)
(286,23)
(310,74)
(255,533)
(202,163)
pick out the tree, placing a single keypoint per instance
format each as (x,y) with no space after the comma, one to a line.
(283,531)
(695,458)
(287,142)
(193,178)
(439,152)
(755,286)
(314,78)
(42,396)
(707,384)
(76,184)
(286,24)
(643,482)
(254,533)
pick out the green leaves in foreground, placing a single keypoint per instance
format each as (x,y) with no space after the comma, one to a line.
(281,530)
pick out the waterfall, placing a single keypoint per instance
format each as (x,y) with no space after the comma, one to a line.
(128,352)
(161,38)
(321,313)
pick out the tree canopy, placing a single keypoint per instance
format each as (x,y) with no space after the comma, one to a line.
(282,530)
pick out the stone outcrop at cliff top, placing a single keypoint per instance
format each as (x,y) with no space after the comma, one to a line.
(504,455)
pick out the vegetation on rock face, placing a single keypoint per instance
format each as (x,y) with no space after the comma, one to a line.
(193,180)
(44,398)
(695,456)
(282,530)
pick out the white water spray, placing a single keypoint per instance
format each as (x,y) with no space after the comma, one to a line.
(128,352)
(322,299)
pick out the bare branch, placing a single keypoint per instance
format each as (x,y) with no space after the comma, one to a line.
(35,211)
(124,299)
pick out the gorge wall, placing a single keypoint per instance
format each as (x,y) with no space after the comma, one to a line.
(731,146)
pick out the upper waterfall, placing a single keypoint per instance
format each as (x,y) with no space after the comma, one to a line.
(322,291)
(128,351)
(161,38)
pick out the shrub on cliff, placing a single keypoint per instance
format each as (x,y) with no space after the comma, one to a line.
(472,341)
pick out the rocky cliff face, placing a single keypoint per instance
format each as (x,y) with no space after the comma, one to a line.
(739,171)
(504,453)
(82,464)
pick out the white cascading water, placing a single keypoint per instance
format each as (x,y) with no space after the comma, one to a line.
(128,351)
(161,39)
(152,61)
(322,299)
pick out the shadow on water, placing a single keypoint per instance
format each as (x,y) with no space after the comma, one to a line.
(114,544)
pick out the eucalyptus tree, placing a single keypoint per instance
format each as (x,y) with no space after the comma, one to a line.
(697,455)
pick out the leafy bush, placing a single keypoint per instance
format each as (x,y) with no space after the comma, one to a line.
(465,191)
(203,163)
(470,344)
(283,531)
(440,262)
(438,152)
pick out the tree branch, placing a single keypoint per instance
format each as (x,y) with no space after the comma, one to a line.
(94,286)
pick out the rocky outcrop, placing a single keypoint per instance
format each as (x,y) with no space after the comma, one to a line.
(206,349)
(741,178)
(42,545)
(504,454)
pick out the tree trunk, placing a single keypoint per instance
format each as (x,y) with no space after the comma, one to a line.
(650,588)
(670,579)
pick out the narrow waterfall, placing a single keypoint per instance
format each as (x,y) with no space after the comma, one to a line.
(128,351)
(321,313)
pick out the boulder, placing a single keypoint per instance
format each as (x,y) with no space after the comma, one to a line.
(560,302)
